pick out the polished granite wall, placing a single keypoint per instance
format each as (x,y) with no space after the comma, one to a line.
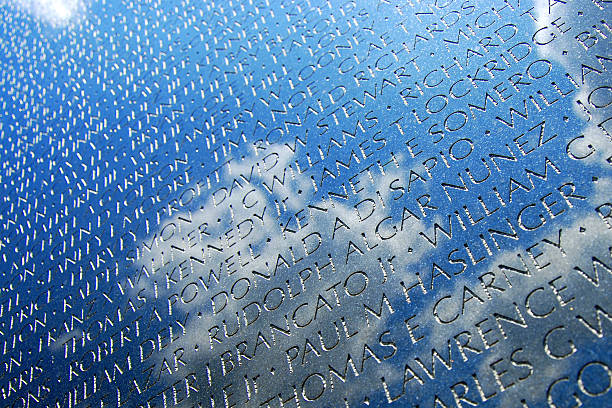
(281,204)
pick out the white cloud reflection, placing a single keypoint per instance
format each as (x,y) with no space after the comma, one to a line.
(58,13)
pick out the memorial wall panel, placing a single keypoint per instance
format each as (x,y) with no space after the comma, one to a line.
(305,204)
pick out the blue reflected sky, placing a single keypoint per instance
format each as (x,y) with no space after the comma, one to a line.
(305,204)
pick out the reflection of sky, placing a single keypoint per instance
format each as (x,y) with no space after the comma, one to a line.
(127,91)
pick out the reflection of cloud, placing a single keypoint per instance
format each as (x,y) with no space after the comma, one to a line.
(571,53)
(578,246)
(336,226)
(54,12)
(583,235)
